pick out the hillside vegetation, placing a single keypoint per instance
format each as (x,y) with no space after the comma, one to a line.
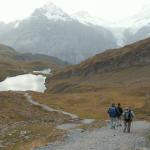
(13,63)
(118,75)
(24,126)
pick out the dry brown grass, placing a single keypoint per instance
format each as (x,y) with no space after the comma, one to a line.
(40,134)
(15,108)
(90,96)
(17,115)
(90,87)
(92,104)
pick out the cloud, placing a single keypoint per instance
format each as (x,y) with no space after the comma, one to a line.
(110,10)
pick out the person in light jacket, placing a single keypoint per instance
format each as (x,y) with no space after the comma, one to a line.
(128,116)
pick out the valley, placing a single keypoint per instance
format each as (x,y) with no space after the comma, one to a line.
(63,64)
(22,125)
(50,30)
(13,63)
(85,90)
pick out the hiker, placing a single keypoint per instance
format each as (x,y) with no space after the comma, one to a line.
(128,116)
(112,111)
(119,114)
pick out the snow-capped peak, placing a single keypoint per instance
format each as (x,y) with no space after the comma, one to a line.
(137,21)
(85,18)
(83,14)
(53,9)
(52,12)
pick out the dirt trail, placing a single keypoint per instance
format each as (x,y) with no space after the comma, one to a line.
(47,108)
(76,120)
(105,139)
(99,139)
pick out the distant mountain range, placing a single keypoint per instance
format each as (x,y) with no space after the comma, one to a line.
(13,63)
(73,38)
(51,31)
(125,31)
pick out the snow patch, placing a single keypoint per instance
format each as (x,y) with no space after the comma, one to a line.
(16,25)
(119,35)
(53,12)
(85,18)
(45,71)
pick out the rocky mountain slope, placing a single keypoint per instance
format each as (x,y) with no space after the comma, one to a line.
(49,30)
(73,38)
(135,55)
(126,31)
(137,26)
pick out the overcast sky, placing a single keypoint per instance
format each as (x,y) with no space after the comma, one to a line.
(110,10)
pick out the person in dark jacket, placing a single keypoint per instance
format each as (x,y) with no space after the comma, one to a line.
(119,114)
(112,111)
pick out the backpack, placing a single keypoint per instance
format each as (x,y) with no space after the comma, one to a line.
(128,116)
(112,112)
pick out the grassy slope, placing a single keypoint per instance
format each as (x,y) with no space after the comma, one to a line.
(13,63)
(87,89)
(92,96)
(125,57)
(17,115)
(8,66)
(86,93)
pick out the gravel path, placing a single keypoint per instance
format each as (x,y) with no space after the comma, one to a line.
(104,139)
(47,108)
(76,120)
(99,139)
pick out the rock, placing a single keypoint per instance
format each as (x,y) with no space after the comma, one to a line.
(27,137)
(1,145)
(24,134)
(142,148)
(140,143)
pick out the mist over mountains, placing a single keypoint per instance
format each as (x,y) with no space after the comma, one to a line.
(73,38)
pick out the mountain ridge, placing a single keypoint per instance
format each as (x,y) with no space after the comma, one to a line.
(127,67)
(67,39)
(51,31)
(52,12)
(130,55)
(13,63)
